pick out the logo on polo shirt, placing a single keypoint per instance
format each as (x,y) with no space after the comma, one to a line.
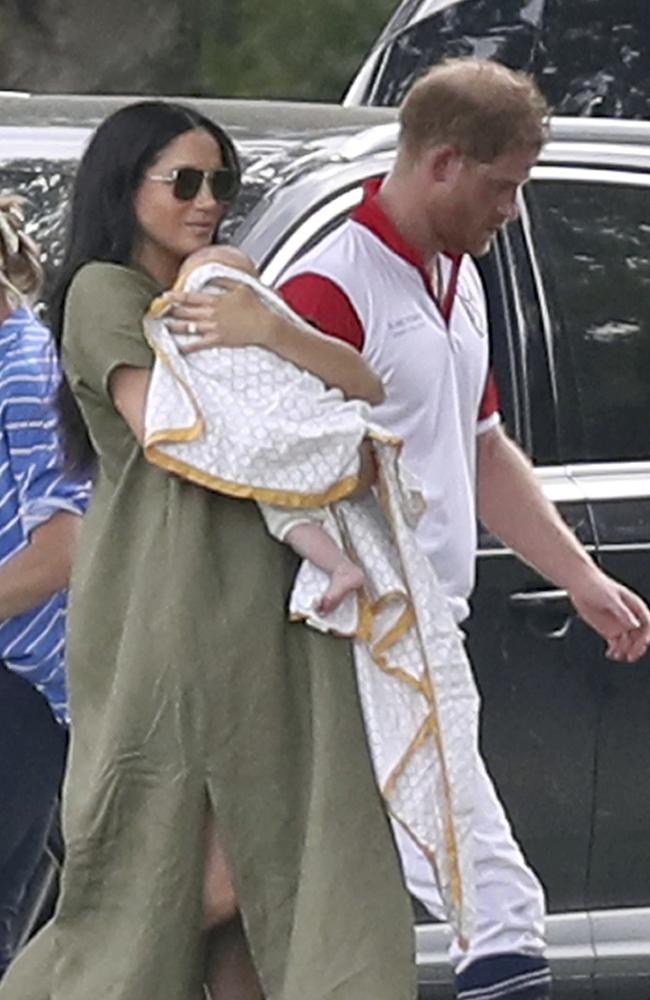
(402,324)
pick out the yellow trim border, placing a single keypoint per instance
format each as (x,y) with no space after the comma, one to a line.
(245,491)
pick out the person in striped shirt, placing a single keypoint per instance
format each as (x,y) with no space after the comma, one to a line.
(39,514)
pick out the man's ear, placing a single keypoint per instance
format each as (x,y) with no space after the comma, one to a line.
(443,163)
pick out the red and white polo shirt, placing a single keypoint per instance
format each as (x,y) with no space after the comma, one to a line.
(365,284)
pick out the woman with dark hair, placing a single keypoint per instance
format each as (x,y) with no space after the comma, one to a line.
(219,801)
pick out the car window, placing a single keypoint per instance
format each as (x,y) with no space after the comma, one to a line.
(592,241)
(45,185)
(471,27)
(519,353)
(585,54)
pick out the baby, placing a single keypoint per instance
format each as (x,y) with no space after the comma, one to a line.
(302,530)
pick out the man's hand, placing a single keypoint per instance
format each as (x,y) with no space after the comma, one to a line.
(513,506)
(619,615)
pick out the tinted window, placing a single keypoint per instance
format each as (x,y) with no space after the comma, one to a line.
(520,349)
(593,242)
(587,55)
(45,185)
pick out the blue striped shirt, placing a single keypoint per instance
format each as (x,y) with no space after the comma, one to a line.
(32,489)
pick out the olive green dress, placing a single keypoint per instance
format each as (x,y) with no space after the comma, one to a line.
(188,684)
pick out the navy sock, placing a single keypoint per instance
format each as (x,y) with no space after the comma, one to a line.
(500,977)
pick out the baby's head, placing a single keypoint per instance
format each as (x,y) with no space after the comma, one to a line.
(213,254)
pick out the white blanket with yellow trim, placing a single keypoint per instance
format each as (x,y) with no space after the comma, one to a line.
(243,421)
(247,423)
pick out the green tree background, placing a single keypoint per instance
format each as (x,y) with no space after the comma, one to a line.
(287,48)
(296,49)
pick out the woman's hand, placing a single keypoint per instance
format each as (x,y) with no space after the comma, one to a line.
(239,318)
(235,317)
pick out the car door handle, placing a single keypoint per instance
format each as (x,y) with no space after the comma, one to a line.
(547,613)
(549,600)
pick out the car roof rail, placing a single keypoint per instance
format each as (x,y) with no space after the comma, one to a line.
(602,130)
(367,142)
(383,138)
(376,139)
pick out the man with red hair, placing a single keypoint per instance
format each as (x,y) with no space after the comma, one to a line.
(398,283)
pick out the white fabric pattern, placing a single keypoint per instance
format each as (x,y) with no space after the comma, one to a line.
(268,426)
(245,422)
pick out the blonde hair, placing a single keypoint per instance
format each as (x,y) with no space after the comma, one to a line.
(479,106)
(21,273)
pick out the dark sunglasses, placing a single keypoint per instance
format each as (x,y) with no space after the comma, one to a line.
(187,181)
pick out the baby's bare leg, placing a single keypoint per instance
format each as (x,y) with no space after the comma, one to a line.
(310,540)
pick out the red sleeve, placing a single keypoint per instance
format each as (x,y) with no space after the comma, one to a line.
(322,303)
(490,401)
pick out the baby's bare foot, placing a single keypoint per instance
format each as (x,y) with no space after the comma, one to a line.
(346,578)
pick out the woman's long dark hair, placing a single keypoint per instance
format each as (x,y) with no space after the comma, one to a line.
(102,224)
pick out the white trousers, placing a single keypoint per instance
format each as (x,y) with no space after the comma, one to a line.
(510,901)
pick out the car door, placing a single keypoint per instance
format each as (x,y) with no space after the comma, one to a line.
(591,228)
(532,656)
(539,705)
